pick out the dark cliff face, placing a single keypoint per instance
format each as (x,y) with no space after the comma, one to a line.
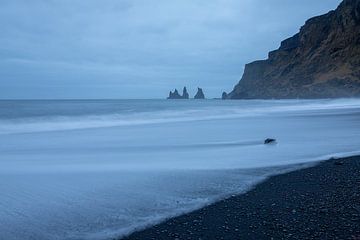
(321,61)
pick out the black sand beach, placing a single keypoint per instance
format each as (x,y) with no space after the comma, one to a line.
(321,202)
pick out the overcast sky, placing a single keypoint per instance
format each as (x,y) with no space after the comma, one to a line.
(139,48)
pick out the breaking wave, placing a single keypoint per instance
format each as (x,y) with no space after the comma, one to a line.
(140,116)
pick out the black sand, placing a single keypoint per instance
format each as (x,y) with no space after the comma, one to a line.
(321,202)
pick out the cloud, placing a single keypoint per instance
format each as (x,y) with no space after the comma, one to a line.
(158,45)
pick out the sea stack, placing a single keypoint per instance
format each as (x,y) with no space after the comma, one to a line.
(185,94)
(176,95)
(200,94)
(224,96)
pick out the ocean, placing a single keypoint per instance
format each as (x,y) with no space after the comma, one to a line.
(99,169)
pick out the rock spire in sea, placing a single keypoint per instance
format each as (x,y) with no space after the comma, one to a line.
(176,95)
(200,94)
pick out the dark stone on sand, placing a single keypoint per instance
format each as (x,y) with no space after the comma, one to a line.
(320,202)
(269,141)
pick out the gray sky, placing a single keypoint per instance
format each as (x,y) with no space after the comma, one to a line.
(139,48)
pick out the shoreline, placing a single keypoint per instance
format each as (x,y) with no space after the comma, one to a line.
(321,202)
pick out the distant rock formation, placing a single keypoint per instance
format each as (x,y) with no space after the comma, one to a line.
(176,95)
(224,96)
(185,94)
(321,61)
(200,94)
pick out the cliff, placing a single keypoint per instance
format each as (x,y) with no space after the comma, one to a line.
(321,61)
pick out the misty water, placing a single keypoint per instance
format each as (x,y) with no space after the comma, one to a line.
(101,169)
